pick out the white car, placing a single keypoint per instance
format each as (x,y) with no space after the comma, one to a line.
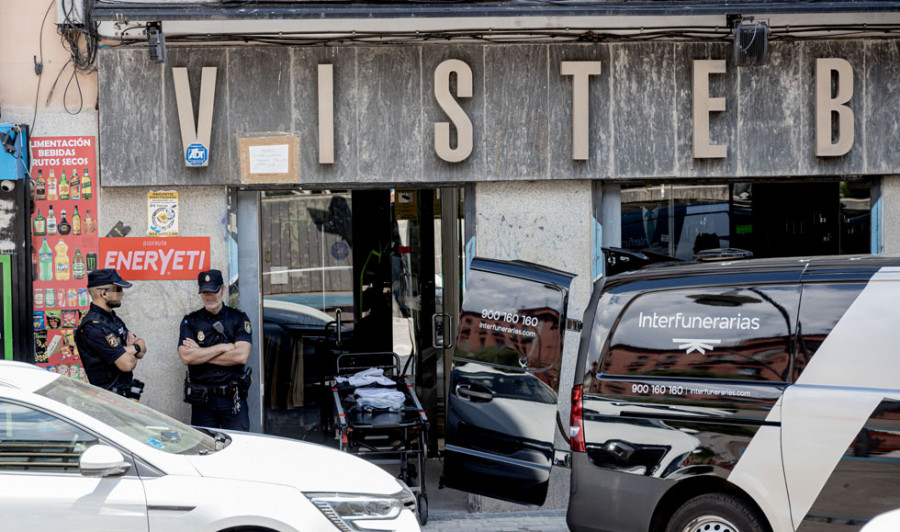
(76,457)
(886,522)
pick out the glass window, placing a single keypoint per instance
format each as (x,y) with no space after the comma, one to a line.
(732,332)
(676,220)
(307,280)
(307,252)
(769,219)
(34,441)
(823,305)
(514,322)
(142,423)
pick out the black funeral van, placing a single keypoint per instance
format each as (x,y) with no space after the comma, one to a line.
(740,396)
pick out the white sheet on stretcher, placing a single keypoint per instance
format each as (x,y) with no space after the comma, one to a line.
(366,377)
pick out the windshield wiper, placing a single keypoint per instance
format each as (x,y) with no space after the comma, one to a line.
(221,439)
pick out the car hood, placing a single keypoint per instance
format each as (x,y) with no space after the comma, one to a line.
(306,466)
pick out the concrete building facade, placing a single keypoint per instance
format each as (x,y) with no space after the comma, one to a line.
(539,138)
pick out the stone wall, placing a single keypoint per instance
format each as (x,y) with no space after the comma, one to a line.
(640,125)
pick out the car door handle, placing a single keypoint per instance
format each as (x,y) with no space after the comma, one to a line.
(466,392)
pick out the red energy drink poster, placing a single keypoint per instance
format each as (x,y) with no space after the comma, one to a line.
(143,259)
(65,245)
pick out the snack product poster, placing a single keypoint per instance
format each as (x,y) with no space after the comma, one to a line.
(162,214)
(65,245)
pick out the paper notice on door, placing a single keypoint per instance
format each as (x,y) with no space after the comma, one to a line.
(272,159)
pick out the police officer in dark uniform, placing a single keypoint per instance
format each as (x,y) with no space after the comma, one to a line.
(215,343)
(107,348)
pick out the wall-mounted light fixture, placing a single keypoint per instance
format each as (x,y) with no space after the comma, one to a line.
(156,39)
(751,42)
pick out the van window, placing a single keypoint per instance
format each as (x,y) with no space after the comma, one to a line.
(822,306)
(513,322)
(732,332)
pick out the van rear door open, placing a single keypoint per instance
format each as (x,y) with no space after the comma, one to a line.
(505,379)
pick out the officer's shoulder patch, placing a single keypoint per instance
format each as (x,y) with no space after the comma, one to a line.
(247,326)
(112,340)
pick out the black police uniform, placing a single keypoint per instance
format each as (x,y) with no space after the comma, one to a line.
(222,398)
(101,340)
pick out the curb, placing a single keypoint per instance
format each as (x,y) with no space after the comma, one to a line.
(455,516)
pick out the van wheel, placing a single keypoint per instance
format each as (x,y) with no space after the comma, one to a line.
(716,512)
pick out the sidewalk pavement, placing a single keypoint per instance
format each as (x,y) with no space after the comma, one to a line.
(527,521)
(448,512)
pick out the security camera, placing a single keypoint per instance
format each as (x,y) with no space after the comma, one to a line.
(7,185)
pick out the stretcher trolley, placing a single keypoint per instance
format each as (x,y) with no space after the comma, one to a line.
(379,417)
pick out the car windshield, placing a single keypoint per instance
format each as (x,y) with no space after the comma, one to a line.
(142,423)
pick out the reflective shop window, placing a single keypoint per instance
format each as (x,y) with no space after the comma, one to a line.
(306,270)
(823,305)
(769,219)
(734,332)
(37,442)
(676,220)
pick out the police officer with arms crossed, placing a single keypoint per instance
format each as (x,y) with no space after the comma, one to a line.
(215,343)
(108,349)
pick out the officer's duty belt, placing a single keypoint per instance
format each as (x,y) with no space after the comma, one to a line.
(222,390)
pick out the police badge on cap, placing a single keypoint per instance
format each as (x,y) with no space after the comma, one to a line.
(210,281)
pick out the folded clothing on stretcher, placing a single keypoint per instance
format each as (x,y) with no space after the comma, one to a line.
(380,398)
(366,377)
(370,395)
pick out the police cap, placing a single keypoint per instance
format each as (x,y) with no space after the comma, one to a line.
(106,276)
(210,281)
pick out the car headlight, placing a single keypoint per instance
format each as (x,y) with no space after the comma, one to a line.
(343,509)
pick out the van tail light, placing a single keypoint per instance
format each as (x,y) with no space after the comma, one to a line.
(576,420)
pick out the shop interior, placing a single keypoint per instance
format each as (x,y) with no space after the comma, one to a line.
(352,272)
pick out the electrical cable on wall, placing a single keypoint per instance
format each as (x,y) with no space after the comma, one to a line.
(39,64)
(83,58)
(72,31)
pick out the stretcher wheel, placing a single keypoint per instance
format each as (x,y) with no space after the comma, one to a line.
(422,508)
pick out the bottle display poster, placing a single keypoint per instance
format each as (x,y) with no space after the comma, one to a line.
(162,214)
(65,246)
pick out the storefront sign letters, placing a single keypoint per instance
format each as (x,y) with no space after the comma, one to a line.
(827,106)
(834,138)
(149,259)
(195,135)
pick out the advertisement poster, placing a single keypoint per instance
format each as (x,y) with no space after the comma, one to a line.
(162,214)
(65,246)
(155,259)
